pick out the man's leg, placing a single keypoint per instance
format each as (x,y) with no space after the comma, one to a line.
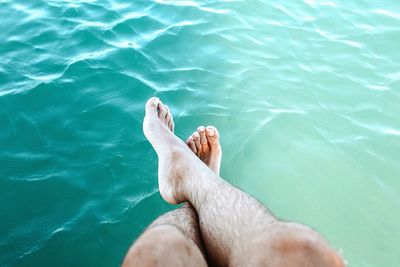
(236,228)
(171,240)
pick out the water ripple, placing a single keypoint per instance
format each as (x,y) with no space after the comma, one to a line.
(310,88)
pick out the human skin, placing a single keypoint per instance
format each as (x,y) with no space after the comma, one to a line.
(236,229)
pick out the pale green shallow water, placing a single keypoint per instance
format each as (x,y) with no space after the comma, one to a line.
(305,94)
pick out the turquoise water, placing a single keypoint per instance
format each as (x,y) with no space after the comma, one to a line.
(305,94)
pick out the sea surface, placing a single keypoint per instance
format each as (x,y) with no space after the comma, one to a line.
(305,95)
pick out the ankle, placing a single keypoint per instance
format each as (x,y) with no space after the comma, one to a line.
(198,187)
(173,159)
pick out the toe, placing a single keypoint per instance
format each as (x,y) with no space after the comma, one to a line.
(202,132)
(169,124)
(191,145)
(162,113)
(168,112)
(168,118)
(212,135)
(171,121)
(152,106)
(196,138)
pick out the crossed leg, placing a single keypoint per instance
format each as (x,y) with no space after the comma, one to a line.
(170,237)
(236,229)
(171,240)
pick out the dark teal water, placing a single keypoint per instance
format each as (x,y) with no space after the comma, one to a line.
(305,94)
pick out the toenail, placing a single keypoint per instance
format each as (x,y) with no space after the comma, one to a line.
(201,129)
(196,134)
(155,102)
(210,132)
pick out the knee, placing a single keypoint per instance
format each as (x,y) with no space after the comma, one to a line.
(291,244)
(156,246)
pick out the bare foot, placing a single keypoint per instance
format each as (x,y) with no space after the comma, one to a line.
(157,115)
(175,160)
(205,144)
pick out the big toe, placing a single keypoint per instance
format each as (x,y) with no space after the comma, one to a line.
(152,106)
(212,135)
